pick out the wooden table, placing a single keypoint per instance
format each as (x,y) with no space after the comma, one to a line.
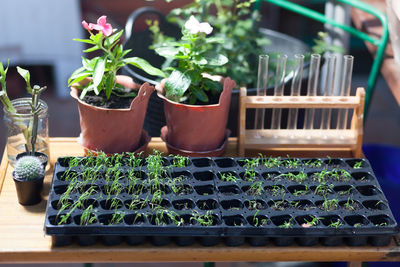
(22,238)
(371,25)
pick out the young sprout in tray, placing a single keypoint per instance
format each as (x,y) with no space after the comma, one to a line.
(287,224)
(310,223)
(88,217)
(227,177)
(117,217)
(256,189)
(180,161)
(330,204)
(358,165)
(204,219)
(335,224)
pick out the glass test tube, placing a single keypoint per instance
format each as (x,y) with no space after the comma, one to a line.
(328,90)
(295,88)
(345,87)
(262,83)
(312,89)
(278,91)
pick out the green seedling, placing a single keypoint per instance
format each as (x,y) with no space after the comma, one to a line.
(357,225)
(313,222)
(316,163)
(350,204)
(256,189)
(321,176)
(250,175)
(277,190)
(259,223)
(251,163)
(88,217)
(335,224)
(323,189)
(137,203)
(180,161)
(358,165)
(271,162)
(301,192)
(291,163)
(176,218)
(117,217)
(287,224)
(346,192)
(330,204)
(228,177)
(204,219)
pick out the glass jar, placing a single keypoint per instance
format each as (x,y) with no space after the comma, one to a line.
(19,127)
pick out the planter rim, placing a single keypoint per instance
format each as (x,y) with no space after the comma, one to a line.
(26,101)
(132,85)
(159,89)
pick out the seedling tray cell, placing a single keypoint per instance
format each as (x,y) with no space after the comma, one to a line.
(283,201)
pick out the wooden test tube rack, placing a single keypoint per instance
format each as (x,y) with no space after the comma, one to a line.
(301,139)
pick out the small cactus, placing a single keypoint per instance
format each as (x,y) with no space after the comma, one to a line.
(28,168)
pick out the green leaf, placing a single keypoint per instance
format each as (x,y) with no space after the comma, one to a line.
(213,85)
(109,85)
(218,40)
(200,94)
(84,41)
(93,48)
(199,60)
(167,51)
(27,77)
(78,78)
(113,38)
(89,63)
(98,72)
(177,84)
(97,38)
(144,65)
(215,59)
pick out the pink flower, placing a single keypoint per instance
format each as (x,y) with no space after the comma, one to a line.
(101,25)
(86,25)
(194,26)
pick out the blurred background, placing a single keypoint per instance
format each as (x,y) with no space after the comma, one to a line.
(37,35)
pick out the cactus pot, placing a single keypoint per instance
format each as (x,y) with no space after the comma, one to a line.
(28,192)
(41,156)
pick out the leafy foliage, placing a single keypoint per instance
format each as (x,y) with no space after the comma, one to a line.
(103,69)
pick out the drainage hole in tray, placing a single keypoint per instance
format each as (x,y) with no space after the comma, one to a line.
(362,176)
(204,190)
(183,175)
(356,220)
(258,220)
(375,205)
(368,190)
(207,204)
(202,162)
(381,220)
(235,220)
(229,190)
(134,219)
(232,205)
(183,204)
(159,218)
(204,176)
(225,163)
(256,204)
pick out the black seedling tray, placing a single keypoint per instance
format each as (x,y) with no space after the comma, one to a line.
(252,210)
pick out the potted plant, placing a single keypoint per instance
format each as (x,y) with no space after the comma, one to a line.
(196,104)
(28,176)
(111,107)
(26,120)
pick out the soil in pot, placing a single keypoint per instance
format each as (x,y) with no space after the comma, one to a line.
(114,102)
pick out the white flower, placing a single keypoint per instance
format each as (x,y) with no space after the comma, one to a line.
(194,26)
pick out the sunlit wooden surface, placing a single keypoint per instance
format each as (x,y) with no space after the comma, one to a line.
(22,238)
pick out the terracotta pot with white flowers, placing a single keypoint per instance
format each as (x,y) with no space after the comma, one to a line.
(196,103)
(111,107)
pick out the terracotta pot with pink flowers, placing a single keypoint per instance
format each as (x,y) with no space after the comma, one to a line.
(196,103)
(111,107)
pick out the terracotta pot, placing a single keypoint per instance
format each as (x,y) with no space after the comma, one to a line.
(197,128)
(113,130)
